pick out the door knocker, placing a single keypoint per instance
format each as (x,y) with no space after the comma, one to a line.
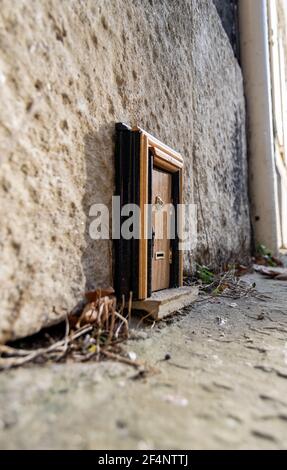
(158,203)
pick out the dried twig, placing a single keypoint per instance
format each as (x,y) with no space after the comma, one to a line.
(9,351)
(7,363)
(65,347)
(150,314)
(112,327)
(122,359)
(124,322)
(96,332)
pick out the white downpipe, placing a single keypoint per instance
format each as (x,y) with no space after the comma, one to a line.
(253,23)
(277,34)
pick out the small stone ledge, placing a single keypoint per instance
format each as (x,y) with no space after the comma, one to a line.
(168,301)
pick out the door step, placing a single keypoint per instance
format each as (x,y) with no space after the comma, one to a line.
(166,302)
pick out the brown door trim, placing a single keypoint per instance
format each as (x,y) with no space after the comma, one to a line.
(169,160)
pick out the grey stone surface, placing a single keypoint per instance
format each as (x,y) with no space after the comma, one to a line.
(223,387)
(228,12)
(219,144)
(68,71)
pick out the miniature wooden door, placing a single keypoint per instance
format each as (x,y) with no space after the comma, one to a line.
(148,174)
(161,225)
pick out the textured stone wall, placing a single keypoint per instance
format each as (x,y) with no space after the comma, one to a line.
(228,12)
(68,71)
(219,144)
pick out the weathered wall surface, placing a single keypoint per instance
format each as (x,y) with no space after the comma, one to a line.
(219,144)
(68,71)
(228,12)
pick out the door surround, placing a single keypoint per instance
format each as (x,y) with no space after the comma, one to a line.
(137,152)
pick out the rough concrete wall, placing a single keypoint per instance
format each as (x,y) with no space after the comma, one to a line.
(219,144)
(228,12)
(68,71)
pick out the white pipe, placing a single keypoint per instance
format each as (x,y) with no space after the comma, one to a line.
(277,31)
(253,24)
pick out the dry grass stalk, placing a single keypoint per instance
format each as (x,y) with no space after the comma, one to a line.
(31,355)
(228,284)
(124,360)
(96,333)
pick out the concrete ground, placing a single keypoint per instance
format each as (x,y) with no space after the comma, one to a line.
(224,386)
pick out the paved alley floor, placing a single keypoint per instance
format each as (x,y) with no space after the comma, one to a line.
(224,386)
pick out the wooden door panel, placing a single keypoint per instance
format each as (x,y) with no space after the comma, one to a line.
(161,196)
